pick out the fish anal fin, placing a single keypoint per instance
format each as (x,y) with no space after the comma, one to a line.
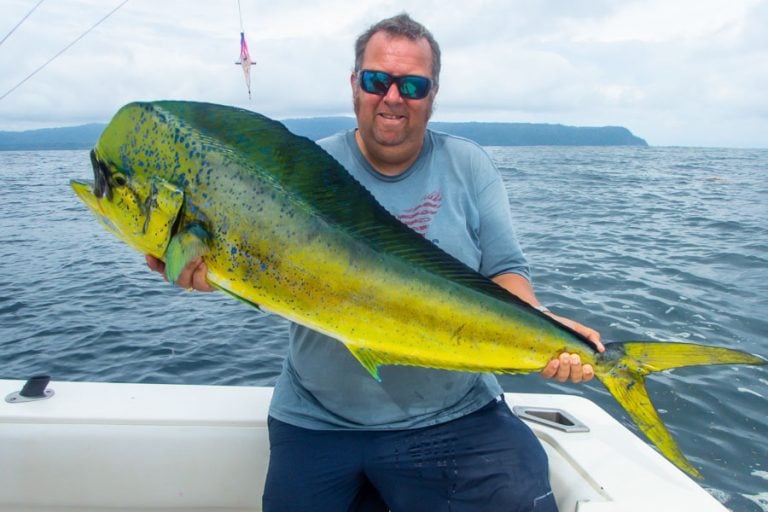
(236,296)
(369,359)
(189,243)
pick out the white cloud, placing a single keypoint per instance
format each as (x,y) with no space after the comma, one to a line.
(655,21)
(680,72)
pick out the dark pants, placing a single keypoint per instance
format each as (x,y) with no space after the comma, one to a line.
(486,461)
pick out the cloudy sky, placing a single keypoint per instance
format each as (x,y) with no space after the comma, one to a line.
(675,72)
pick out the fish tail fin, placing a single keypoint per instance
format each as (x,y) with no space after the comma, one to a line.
(623,367)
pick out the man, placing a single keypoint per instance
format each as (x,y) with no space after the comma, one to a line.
(420,439)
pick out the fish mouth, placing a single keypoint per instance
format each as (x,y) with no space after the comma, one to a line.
(92,191)
(101,176)
(85,191)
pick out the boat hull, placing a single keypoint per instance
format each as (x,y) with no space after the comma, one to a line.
(147,447)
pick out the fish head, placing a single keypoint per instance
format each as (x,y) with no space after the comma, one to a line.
(139,208)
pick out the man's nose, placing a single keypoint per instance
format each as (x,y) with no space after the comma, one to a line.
(393,93)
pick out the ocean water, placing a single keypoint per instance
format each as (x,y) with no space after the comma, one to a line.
(639,243)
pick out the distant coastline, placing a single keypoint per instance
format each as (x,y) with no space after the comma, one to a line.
(485,134)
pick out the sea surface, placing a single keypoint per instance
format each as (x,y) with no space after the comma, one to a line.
(639,243)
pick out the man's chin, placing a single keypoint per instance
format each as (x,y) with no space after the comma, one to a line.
(390,134)
(389,138)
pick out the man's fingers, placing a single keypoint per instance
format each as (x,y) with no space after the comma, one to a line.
(568,367)
(200,279)
(551,369)
(186,276)
(576,369)
(154,264)
(564,370)
(595,338)
(193,276)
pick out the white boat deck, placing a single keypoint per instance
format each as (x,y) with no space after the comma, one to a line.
(138,447)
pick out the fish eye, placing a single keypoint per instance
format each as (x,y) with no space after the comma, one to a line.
(119,179)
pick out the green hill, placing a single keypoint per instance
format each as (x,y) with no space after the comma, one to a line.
(74,137)
(492,134)
(485,134)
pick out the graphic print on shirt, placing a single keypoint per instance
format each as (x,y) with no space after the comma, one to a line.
(420,216)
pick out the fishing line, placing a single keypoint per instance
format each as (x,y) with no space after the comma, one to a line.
(63,50)
(21,21)
(239,10)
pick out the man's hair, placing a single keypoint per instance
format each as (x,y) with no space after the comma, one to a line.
(401,25)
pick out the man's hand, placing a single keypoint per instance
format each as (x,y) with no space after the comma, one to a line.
(568,366)
(193,277)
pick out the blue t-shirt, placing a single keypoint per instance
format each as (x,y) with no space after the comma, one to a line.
(453,195)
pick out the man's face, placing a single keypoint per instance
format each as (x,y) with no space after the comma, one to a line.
(389,125)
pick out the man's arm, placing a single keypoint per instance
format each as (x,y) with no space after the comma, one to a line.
(567,366)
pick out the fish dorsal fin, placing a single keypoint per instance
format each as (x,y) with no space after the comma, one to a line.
(304,169)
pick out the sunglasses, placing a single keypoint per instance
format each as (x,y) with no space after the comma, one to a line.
(412,87)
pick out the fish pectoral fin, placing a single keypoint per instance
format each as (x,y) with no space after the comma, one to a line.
(189,243)
(161,209)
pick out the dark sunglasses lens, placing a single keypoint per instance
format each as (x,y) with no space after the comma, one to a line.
(411,87)
(375,82)
(414,87)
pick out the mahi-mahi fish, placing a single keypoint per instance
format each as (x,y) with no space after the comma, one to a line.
(282,225)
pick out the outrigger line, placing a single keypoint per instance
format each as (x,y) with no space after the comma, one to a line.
(21,21)
(245,56)
(70,45)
